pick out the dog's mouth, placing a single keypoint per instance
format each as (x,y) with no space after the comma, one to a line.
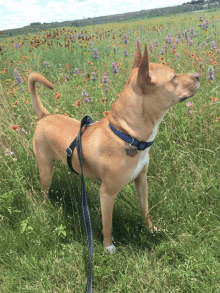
(194,91)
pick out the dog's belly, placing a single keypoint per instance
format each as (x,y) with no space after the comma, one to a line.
(143,161)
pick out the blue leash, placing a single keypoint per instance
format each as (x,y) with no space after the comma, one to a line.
(86,121)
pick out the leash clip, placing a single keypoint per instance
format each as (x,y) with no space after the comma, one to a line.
(68,152)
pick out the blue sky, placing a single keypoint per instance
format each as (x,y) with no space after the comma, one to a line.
(18,13)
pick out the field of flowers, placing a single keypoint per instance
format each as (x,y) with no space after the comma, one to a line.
(42,245)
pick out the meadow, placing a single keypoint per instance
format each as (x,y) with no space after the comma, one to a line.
(42,245)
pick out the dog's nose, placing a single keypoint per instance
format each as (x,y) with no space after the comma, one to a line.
(196,75)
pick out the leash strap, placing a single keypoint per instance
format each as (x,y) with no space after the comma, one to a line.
(140,145)
(86,121)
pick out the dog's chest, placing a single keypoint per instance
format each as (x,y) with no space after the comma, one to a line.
(144,157)
(143,160)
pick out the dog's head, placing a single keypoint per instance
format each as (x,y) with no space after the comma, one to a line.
(160,84)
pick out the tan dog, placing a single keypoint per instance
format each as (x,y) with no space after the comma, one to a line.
(150,91)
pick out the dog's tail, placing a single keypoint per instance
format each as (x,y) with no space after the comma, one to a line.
(39,108)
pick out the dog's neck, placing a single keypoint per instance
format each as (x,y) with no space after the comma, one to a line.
(132,116)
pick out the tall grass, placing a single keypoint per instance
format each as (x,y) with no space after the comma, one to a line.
(43,248)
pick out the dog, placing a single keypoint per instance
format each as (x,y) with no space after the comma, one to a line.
(150,91)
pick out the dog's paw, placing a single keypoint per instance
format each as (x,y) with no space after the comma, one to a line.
(111,249)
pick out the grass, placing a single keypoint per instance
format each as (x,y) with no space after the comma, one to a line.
(43,247)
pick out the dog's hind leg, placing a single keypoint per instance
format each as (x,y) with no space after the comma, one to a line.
(45,163)
(142,192)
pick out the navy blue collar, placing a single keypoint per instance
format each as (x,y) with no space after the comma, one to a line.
(140,145)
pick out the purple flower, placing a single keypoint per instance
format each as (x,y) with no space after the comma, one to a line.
(105,78)
(17,46)
(67,77)
(21,89)
(186,34)
(93,76)
(84,94)
(211,73)
(200,17)
(108,47)
(177,41)
(114,50)
(203,26)
(174,46)
(192,30)
(179,34)
(188,104)
(162,51)
(191,111)
(86,100)
(17,77)
(47,64)
(114,67)
(125,53)
(151,47)
(177,55)
(95,53)
(76,71)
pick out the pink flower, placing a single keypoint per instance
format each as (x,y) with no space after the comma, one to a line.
(188,104)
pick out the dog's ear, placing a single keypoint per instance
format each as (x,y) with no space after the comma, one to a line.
(143,72)
(137,56)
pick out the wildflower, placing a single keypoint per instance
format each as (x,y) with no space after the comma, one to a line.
(9,153)
(206,23)
(86,100)
(162,51)
(105,78)
(114,50)
(93,76)
(151,47)
(125,53)
(114,67)
(77,104)
(177,55)
(95,53)
(15,103)
(84,94)
(57,96)
(191,111)
(161,58)
(104,100)
(15,127)
(179,34)
(47,64)
(211,74)
(21,89)
(186,34)
(67,77)
(192,31)
(108,47)
(174,46)
(76,71)
(17,46)
(188,104)
(169,38)
(203,26)
(177,41)
(213,99)
(200,17)
(105,113)
(17,76)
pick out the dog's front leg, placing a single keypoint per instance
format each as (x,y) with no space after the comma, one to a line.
(142,192)
(107,198)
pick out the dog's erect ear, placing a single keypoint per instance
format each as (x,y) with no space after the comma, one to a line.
(137,56)
(143,72)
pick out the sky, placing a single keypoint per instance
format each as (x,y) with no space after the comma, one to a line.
(18,13)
